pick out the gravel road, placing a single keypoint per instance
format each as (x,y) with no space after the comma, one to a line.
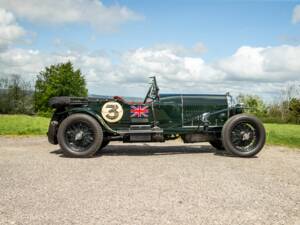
(168,183)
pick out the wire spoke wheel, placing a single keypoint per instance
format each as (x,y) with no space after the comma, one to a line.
(79,136)
(244,136)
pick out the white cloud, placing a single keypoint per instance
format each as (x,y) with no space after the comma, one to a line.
(198,48)
(296,14)
(245,63)
(270,64)
(169,67)
(29,62)
(21,61)
(259,70)
(10,31)
(93,12)
(262,71)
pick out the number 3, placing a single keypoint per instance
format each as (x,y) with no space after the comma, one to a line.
(112,112)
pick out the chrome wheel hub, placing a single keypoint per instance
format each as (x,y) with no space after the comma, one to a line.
(245,136)
(79,136)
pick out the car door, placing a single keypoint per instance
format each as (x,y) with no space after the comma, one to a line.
(168,111)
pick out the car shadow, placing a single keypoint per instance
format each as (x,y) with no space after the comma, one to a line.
(149,150)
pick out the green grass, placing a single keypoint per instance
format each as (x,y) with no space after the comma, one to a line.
(277,134)
(23,125)
(283,134)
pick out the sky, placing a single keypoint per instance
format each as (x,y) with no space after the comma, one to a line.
(248,47)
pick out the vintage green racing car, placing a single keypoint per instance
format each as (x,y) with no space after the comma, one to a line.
(83,126)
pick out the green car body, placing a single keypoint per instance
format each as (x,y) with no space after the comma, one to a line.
(160,117)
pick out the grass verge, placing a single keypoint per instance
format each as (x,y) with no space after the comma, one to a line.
(277,134)
(283,134)
(23,125)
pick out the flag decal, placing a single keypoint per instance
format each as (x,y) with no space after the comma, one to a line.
(139,111)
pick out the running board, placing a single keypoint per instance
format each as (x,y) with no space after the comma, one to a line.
(146,131)
(142,133)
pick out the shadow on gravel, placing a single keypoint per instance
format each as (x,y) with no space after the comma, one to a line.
(147,150)
(144,150)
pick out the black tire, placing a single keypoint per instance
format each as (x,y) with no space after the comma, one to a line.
(243,135)
(217,144)
(105,142)
(79,135)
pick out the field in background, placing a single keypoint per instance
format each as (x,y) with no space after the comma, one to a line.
(23,125)
(283,134)
(277,134)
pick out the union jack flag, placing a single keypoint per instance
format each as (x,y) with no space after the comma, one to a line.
(139,111)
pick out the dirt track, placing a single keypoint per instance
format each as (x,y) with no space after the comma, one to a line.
(167,183)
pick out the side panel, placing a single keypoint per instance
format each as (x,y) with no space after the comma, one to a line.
(168,112)
(128,118)
(195,105)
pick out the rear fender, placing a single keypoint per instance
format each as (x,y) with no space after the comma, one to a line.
(60,115)
(95,116)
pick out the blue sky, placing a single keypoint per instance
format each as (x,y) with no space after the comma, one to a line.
(134,39)
(223,26)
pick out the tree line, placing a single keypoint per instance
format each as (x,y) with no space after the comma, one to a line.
(18,96)
(284,109)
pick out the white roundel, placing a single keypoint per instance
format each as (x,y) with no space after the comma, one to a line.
(112,112)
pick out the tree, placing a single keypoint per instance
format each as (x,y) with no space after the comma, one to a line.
(294,108)
(289,92)
(58,80)
(15,95)
(254,104)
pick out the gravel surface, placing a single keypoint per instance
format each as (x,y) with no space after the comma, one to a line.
(168,183)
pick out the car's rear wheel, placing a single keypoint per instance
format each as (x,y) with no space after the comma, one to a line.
(243,135)
(217,144)
(105,142)
(80,135)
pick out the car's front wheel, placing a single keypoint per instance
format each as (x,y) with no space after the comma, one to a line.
(80,135)
(243,135)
